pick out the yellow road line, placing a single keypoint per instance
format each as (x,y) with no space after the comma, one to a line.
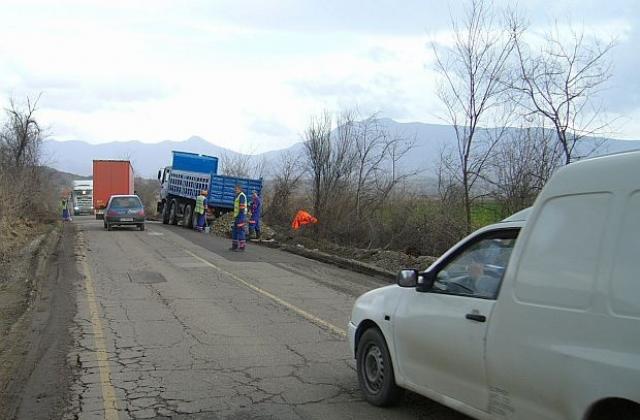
(108,391)
(310,317)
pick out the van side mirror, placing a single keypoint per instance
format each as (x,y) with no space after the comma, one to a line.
(407,278)
(425,281)
(159,174)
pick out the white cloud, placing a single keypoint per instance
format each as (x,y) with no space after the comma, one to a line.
(249,81)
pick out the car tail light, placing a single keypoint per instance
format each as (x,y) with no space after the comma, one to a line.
(141,213)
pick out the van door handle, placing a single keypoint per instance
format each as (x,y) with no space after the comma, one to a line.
(476,317)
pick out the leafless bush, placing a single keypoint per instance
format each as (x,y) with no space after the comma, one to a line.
(20,142)
(25,192)
(353,173)
(148,190)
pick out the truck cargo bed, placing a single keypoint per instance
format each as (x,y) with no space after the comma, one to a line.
(222,193)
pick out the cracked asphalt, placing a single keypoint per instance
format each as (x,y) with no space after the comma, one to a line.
(170,324)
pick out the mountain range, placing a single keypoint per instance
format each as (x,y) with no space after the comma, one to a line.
(76,156)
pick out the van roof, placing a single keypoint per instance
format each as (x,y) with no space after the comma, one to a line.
(604,173)
(520,216)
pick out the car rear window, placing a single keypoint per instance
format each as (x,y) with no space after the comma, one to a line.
(126,202)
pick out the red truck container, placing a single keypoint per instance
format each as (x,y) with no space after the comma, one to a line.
(110,177)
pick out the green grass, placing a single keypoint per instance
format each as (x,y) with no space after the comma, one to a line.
(485,213)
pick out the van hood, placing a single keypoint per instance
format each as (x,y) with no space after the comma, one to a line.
(376,303)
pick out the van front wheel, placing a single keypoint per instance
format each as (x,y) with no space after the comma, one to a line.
(375,371)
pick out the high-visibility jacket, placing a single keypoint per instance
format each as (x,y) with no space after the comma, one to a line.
(200,204)
(240,207)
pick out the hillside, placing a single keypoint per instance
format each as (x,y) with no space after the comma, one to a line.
(61,179)
(147,158)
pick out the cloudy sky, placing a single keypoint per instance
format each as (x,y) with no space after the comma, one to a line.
(249,74)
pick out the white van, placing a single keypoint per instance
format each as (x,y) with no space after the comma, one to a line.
(537,317)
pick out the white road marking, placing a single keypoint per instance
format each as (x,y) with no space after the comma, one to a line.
(308,316)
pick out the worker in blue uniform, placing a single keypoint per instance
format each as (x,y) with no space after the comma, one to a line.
(238,235)
(254,220)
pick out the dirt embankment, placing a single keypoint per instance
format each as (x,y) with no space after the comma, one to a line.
(25,267)
(13,237)
(21,245)
(388,262)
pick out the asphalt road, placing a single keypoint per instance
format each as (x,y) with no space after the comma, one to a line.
(170,323)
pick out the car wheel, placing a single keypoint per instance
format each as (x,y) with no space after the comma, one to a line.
(105,225)
(109,227)
(141,227)
(375,371)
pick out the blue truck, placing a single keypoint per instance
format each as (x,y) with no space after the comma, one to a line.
(191,173)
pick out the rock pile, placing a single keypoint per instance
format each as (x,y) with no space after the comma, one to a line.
(221,226)
(390,260)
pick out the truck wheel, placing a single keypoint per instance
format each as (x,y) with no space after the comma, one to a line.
(375,371)
(165,213)
(173,218)
(187,219)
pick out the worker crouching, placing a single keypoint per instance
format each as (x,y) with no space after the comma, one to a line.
(238,233)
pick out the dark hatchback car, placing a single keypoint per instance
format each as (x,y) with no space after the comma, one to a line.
(124,210)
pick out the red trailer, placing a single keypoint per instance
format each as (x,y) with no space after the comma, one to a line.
(110,177)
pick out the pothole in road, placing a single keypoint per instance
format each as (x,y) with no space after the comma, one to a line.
(146,277)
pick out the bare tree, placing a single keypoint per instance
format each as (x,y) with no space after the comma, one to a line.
(287,177)
(559,82)
(235,164)
(21,137)
(259,166)
(376,156)
(243,165)
(330,160)
(390,174)
(472,91)
(317,146)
